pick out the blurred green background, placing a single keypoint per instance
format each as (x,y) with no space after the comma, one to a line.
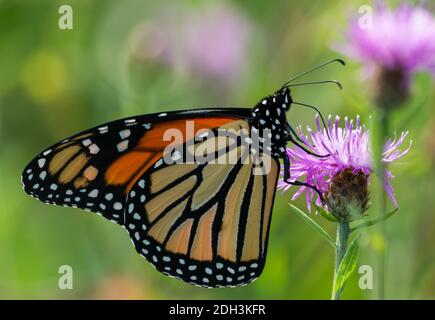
(132,57)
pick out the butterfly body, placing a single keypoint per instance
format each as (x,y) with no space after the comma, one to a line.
(205,223)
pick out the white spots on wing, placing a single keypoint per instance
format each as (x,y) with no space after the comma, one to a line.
(158,163)
(93,149)
(179,271)
(163,114)
(264,102)
(242,268)
(146,242)
(131,226)
(117,206)
(208,271)
(122,146)
(41,162)
(124,133)
(166,259)
(77,199)
(102,206)
(204,134)
(192,268)
(130,208)
(42,175)
(142,198)
(47,152)
(109,196)
(267,112)
(53,186)
(30,177)
(132,194)
(69,192)
(254,265)
(136,235)
(86,142)
(219,265)
(142,183)
(136,216)
(278,112)
(220,277)
(93,193)
(103,130)
(130,121)
(147,126)
(176,155)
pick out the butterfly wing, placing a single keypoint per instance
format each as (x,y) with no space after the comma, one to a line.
(208,224)
(95,169)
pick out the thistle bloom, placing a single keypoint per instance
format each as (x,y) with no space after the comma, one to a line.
(343,176)
(397,44)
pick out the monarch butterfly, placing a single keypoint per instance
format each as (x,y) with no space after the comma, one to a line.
(204,223)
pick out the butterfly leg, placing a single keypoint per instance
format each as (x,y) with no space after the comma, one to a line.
(295,139)
(287,178)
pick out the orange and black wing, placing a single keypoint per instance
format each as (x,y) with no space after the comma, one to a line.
(95,169)
(208,223)
(205,223)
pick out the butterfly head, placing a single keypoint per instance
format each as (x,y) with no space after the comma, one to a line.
(270,114)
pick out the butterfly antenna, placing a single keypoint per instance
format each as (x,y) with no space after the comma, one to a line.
(318,111)
(313,69)
(317,82)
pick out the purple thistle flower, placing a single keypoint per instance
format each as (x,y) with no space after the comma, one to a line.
(403,38)
(350,159)
(399,43)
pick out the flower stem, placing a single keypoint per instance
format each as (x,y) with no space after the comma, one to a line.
(343,232)
(383,224)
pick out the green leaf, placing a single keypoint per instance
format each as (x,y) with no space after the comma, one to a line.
(324,213)
(346,268)
(314,225)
